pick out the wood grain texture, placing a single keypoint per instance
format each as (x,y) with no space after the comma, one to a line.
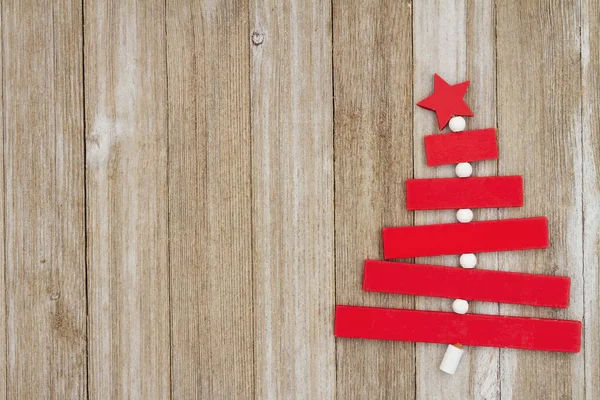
(373,158)
(590,43)
(539,115)
(126,159)
(237,162)
(210,200)
(292,199)
(3,268)
(44,199)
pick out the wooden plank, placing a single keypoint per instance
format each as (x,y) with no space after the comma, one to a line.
(483,363)
(451,328)
(459,238)
(539,115)
(466,146)
(292,199)
(126,160)
(44,205)
(438,47)
(467,283)
(373,103)
(3,269)
(472,192)
(210,200)
(590,32)
(460,50)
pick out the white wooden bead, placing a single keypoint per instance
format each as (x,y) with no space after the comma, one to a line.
(463,170)
(468,260)
(457,124)
(460,306)
(464,215)
(451,359)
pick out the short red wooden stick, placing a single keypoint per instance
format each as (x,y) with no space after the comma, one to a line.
(474,237)
(477,192)
(453,148)
(467,284)
(450,328)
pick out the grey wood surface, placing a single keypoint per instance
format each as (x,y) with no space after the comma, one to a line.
(540,134)
(127,199)
(292,199)
(210,200)
(43,189)
(371,163)
(189,187)
(590,112)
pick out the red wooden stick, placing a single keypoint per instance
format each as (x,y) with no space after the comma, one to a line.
(482,192)
(474,237)
(450,328)
(467,284)
(453,148)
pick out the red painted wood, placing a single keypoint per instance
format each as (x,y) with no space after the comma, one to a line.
(466,284)
(476,192)
(473,237)
(447,100)
(454,148)
(451,328)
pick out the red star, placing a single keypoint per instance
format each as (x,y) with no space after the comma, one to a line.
(447,100)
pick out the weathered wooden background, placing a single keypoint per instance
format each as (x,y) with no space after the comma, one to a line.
(190,186)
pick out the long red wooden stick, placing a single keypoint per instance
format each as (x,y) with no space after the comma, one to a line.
(450,328)
(467,284)
(474,237)
(477,192)
(453,148)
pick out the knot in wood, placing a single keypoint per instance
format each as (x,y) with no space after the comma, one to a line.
(257,38)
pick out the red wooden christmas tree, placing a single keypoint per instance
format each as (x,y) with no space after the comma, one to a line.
(464,238)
